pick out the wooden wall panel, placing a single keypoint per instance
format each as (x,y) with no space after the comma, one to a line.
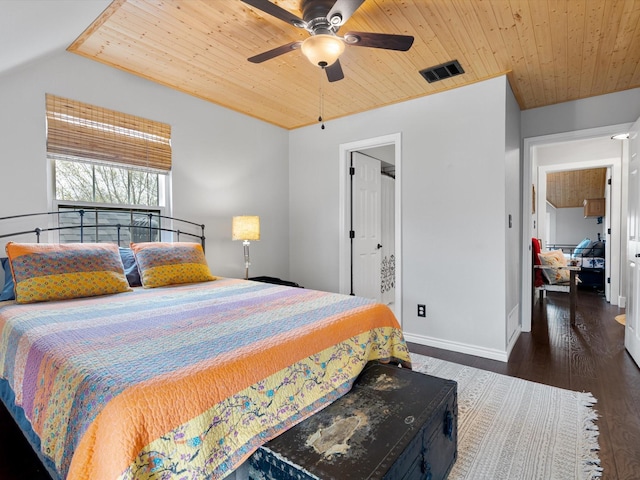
(570,189)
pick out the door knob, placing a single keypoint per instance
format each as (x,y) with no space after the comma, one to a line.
(379,247)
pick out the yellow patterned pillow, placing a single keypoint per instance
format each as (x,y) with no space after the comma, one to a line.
(164,263)
(44,272)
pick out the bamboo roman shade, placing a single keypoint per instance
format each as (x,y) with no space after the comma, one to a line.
(76,130)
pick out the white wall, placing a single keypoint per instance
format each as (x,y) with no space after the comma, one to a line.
(513,233)
(551,220)
(224,163)
(578,152)
(453,201)
(603,110)
(572,227)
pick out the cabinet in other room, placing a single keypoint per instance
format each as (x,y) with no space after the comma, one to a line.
(594,207)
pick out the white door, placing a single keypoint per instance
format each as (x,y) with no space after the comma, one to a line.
(607,238)
(632,333)
(367,226)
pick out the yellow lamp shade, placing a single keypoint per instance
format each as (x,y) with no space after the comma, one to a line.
(246,227)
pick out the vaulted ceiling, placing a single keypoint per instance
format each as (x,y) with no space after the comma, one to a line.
(552,51)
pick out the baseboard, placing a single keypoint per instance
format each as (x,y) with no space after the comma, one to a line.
(622,302)
(512,342)
(513,324)
(467,349)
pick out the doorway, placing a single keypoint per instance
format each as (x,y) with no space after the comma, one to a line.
(372,220)
(534,204)
(386,151)
(606,227)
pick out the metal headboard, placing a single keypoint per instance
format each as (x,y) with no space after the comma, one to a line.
(83,225)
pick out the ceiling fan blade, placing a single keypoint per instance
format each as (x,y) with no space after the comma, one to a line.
(334,72)
(379,40)
(282,49)
(275,11)
(342,11)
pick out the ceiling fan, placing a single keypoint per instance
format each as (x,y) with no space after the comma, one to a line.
(322,19)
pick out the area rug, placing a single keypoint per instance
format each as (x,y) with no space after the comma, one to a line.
(509,428)
(621,319)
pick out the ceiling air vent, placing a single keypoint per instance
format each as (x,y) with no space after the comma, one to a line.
(440,72)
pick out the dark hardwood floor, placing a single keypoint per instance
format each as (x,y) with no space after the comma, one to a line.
(589,357)
(17,459)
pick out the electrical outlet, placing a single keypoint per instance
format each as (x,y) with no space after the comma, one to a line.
(422,310)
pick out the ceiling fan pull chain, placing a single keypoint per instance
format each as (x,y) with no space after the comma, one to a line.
(321,108)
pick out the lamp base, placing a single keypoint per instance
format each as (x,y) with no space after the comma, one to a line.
(245,244)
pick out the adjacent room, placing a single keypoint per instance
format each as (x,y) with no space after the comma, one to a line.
(575,223)
(224,223)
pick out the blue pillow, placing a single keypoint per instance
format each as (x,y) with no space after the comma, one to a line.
(580,248)
(7,289)
(130,267)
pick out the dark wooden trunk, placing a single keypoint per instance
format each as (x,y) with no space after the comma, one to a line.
(394,424)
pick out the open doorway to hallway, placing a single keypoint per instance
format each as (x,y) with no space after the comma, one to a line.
(592,148)
(575,156)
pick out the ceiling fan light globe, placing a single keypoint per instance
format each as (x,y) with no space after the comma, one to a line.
(322,50)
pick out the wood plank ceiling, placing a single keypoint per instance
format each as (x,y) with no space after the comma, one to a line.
(571,188)
(552,51)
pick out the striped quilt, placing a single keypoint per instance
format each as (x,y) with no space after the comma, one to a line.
(185,381)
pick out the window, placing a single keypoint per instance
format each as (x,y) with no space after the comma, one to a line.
(109,160)
(105,184)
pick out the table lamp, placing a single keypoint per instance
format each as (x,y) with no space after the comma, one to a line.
(246,228)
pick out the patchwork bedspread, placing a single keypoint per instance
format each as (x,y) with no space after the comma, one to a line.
(187,381)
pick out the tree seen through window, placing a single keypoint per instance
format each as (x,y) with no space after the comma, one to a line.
(105,184)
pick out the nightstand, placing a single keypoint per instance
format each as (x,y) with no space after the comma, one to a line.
(276,281)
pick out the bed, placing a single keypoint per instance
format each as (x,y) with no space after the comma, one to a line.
(176,378)
(590,257)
